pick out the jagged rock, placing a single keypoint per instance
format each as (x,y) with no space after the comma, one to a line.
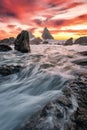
(5,48)
(36,41)
(22,42)
(7,41)
(69,41)
(46,34)
(81,41)
(9,69)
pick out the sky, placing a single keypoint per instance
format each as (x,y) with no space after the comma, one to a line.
(63,18)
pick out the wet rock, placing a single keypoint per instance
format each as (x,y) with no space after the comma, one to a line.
(69,42)
(22,42)
(79,117)
(46,119)
(9,69)
(65,101)
(5,48)
(82,62)
(67,91)
(46,34)
(7,41)
(35,41)
(84,53)
(81,41)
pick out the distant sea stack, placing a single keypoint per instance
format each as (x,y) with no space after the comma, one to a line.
(69,41)
(22,42)
(46,34)
(81,40)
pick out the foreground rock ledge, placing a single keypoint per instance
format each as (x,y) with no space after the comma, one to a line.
(22,42)
(56,114)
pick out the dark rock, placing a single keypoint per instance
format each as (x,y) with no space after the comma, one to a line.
(5,48)
(9,69)
(69,42)
(35,41)
(8,41)
(84,53)
(46,34)
(22,42)
(81,41)
(82,62)
(45,42)
(65,101)
(67,91)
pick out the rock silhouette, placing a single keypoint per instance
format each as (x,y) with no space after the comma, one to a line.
(69,41)
(81,41)
(22,42)
(46,34)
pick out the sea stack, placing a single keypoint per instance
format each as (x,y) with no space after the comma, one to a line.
(46,34)
(22,42)
(81,40)
(69,41)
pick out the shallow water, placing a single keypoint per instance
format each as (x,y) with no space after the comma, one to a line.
(46,70)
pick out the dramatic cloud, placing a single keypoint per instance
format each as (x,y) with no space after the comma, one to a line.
(64,18)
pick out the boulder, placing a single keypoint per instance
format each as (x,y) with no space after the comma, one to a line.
(69,41)
(35,41)
(81,41)
(46,34)
(9,69)
(22,42)
(7,41)
(4,47)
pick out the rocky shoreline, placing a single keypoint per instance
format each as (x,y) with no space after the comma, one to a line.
(68,112)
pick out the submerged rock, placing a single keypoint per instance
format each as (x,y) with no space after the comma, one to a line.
(9,69)
(81,41)
(22,42)
(69,41)
(4,47)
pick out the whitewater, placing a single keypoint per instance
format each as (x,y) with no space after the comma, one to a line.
(46,70)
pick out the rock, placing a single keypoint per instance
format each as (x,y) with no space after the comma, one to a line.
(45,42)
(69,42)
(46,34)
(79,117)
(82,62)
(81,41)
(22,42)
(84,53)
(9,69)
(7,41)
(5,48)
(65,101)
(35,41)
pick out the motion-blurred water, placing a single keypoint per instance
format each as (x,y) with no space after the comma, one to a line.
(46,70)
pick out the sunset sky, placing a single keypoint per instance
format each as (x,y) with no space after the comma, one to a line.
(63,18)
